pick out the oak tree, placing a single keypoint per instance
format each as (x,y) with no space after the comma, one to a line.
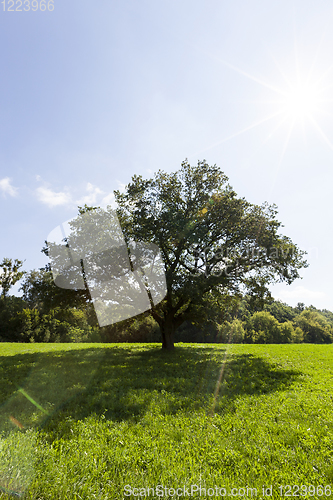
(214,244)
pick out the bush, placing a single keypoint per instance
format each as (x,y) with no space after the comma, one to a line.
(315,327)
(9,307)
(231,332)
(287,332)
(192,332)
(265,329)
(28,327)
(59,325)
(142,328)
(298,336)
(282,312)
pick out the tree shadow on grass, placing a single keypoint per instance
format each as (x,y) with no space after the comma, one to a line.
(50,390)
(127,382)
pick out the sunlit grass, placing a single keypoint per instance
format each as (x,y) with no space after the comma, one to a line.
(129,414)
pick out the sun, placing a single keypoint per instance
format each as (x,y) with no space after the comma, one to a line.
(301,101)
(297,101)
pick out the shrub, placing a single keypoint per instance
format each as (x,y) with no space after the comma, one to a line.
(59,325)
(265,329)
(297,336)
(316,328)
(142,328)
(282,312)
(286,332)
(231,332)
(24,324)
(9,307)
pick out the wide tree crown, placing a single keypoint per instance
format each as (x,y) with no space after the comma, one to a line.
(210,238)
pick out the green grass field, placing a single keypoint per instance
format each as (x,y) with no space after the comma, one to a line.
(95,421)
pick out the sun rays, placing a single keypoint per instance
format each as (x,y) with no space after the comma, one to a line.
(296,104)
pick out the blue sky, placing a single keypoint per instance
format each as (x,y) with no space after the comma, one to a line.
(92,93)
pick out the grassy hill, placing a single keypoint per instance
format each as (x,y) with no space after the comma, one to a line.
(85,421)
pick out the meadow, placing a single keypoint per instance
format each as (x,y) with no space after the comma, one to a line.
(109,421)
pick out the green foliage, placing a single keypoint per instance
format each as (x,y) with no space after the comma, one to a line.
(287,332)
(231,332)
(213,243)
(29,326)
(328,315)
(298,336)
(282,312)
(235,319)
(10,306)
(19,323)
(193,332)
(216,248)
(142,328)
(315,326)
(295,326)
(39,291)
(265,328)
(9,274)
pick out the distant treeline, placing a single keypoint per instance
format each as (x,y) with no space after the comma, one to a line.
(270,323)
(46,313)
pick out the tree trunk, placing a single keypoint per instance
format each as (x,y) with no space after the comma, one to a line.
(168,334)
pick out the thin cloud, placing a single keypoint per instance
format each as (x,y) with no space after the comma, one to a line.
(301,294)
(7,188)
(108,200)
(53,199)
(93,194)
